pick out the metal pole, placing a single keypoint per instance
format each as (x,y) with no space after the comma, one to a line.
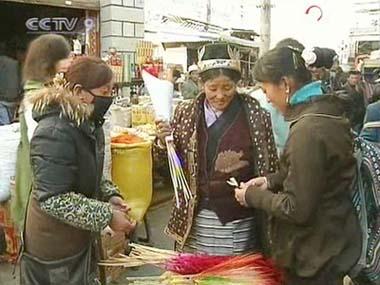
(208,11)
(265,25)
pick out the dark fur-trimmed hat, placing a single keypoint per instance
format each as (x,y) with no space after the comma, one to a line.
(219,55)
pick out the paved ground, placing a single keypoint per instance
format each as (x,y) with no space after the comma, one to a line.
(6,275)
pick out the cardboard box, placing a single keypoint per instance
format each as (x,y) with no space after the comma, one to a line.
(112,246)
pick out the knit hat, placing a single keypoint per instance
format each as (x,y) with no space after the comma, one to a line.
(319,57)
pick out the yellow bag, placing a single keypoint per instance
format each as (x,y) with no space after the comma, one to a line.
(132,173)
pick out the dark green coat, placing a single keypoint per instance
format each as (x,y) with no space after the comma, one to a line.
(314,222)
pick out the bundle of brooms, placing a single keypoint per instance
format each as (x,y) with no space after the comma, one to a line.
(201,269)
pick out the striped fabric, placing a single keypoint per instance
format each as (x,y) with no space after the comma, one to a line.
(209,236)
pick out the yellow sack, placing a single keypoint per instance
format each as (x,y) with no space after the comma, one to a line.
(132,173)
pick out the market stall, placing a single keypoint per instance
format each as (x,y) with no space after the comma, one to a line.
(129,131)
(26,20)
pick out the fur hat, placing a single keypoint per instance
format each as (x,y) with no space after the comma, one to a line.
(193,67)
(219,55)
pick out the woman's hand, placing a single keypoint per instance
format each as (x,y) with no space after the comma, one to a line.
(163,130)
(120,222)
(240,194)
(118,203)
(255,184)
(260,183)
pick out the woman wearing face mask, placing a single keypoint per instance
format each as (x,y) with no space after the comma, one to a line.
(315,232)
(46,56)
(219,135)
(70,203)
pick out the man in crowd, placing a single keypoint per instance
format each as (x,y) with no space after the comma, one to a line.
(357,99)
(190,88)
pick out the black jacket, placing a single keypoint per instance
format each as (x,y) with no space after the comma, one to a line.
(66,154)
(74,160)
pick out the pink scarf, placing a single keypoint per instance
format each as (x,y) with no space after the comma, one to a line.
(211,115)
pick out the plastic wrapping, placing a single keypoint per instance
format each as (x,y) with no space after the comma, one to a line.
(121,116)
(10,139)
(132,173)
(161,92)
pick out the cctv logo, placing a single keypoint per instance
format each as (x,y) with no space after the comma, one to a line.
(57,24)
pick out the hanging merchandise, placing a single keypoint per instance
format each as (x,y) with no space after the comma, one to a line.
(132,172)
(127,67)
(144,52)
(115,62)
(144,59)
(152,67)
(77,47)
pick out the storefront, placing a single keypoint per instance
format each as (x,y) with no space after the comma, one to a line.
(23,20)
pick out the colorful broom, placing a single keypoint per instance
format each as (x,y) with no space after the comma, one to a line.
(251,269)
(177,174)
(242,277)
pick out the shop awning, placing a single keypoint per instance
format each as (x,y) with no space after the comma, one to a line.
(78,4)
(172,36)
(175,29)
